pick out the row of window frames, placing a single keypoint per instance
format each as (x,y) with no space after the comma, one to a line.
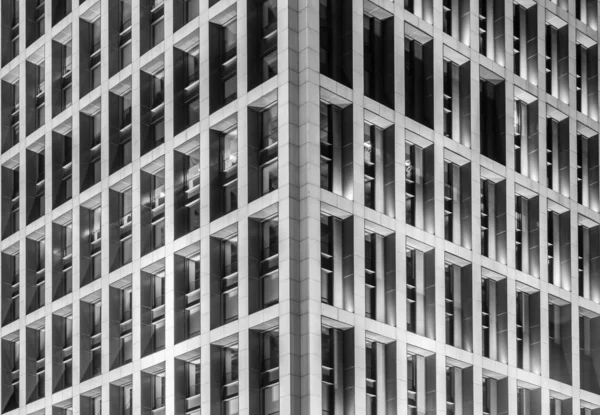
(158,296)
(371,270)
(269,378)
(125,206)
(370,160)
(190,10)
(125,104)
(157,334)
(269,285)
(412,375)
(192,375)
(229,60)
(191,93)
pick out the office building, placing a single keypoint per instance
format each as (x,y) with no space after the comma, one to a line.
(299,207)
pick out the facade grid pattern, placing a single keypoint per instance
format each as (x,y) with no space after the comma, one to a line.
(299,206)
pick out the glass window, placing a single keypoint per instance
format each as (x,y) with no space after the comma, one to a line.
(159,335)
(191,9)
(230,38)
(95,76)
(270,289)
(159,291)
(270,399)
(126,305)
(126,348)
(231,407)
(159,390)
(229,150)
(193,321)
(269,177)
(230,197)
(125,55)
(192,66)
(126,251)
(125,14)
(158,231)
(158,31)
(230,305)
(127,399)
(269,126)
(230,93)
(95,38)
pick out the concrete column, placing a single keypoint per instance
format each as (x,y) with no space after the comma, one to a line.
(379,165)
(585,179)
(458,390)
(493,314)
(455,79)
(335,131)
(381,376)
(493,395)
(338,277)
(418,8)
(584,79)
(380,288)
(457,302)
(522,107)
(554,61)
(522,41)
(419,258)
(244,369)
(421,384)
(555,156)
(338,371)
(491,200)
(586,262)
(524,298)
(525,235)
(556,277)
(456,204)
(419,203)
(490,34)
(455,18)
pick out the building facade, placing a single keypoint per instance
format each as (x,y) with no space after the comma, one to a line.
(299,207)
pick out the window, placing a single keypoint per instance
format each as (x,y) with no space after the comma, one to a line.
(411,291)
(370,150)
(418,70)
(125,349)
(556,55)
(268,10)
(371,375)
(336,144)
(337,368)
(191,91)
(40,95)
(262,41)
(229,160)
(190,10)
(268,174)
(38,16)
(95,38)
(158,390)
(491,30)
(229,279)
(491,113)
(378,67)
(229,389)
(157,23)
(411,383)
(269,376)
(229,65)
